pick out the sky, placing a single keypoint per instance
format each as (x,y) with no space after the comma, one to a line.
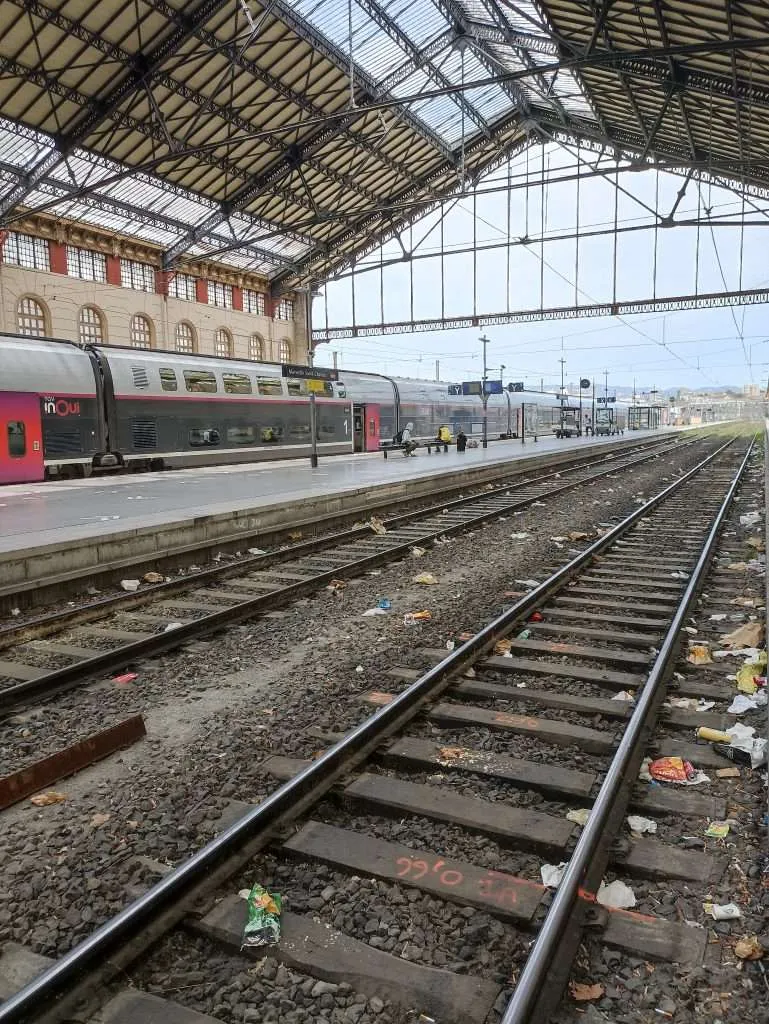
(688,348)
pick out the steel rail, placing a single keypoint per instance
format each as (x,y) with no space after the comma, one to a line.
(78,673)
(107,952)
(31,629)
(536,996)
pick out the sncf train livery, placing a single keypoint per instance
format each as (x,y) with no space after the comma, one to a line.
(67,410)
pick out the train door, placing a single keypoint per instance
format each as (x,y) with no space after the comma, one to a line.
(372,428)
(359,428)
(21,439)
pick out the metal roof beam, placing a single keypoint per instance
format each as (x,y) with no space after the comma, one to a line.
(385,22)
(141,214)
(305,31)
(103,106)
(417,60)
(466,29)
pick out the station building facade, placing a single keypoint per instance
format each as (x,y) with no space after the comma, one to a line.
(60,279)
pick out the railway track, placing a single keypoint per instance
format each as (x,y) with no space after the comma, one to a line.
(530,679)
(56,651)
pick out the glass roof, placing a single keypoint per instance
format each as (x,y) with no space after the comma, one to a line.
(467,40)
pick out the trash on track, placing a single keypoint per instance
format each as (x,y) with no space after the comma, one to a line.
(426,579)
(263,925)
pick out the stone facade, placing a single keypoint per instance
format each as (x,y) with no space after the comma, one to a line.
(62,296)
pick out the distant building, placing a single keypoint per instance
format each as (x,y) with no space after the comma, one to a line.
(61,279)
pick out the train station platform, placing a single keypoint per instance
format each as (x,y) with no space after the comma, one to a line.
(56,529)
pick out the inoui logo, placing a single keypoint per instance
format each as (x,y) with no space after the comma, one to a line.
(60,407)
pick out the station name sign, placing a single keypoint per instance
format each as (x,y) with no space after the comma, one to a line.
(308,372)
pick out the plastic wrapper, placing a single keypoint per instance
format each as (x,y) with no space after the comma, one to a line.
(671,769)
(263,924)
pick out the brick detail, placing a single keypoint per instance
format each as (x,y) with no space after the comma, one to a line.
(201,290)
(162,279)
(237,298)
(57,253)
(269,305)
(113,270)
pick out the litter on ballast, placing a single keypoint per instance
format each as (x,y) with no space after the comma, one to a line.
(717,830)
(260,551)
(337,585)
(172,625)
(130,585)
(126,677)
(583,993)
(51,796)
(722,911)
(625,695)
(579,816)
(377,526)
(263,925)
(425,578)
(672,769)
(384,603)
(413,618)
(374,611)
(638,825)
(750,519)
(502,647)
(690,703)
(728,773)
(616,895)
(552,874)
(153,577)
(748,948)
(417,552)
(748,635)
(699,654)
(527,583)
(742,703)
(520,536)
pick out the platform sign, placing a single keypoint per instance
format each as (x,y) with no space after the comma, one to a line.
(317,386)
(606,400)
(516,385)
(455,389)
(472,387)
(308,372)
(584,383)
(493,387)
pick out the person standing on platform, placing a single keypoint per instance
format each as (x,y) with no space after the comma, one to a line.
(461,440)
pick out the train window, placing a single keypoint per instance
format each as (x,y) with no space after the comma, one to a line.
(17,439)
(241,435)
(297,387)
(139,374)
(236,384)
(269,385)
(168,379)
(200,380)
(202,437)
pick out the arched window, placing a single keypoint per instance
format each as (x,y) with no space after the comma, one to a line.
(141,331)
(185,338)
(31,319)
(284,351)
(223,343)
(255,347)
(90,326)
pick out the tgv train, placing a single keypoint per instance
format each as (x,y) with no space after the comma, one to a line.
(67,410)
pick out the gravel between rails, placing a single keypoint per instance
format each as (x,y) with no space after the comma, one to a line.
(216,708)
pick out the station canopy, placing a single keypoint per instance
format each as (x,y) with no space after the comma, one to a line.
(291,137)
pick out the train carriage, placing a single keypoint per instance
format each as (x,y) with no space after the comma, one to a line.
(167,409)
(50,410)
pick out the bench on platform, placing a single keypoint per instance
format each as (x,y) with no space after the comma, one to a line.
(388,446)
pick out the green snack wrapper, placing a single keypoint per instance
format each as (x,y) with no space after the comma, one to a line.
(263,925)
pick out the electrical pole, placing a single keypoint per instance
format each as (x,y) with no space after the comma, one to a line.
(484,397)
(562,361)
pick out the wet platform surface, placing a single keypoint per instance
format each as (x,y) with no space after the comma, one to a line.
(32,515)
